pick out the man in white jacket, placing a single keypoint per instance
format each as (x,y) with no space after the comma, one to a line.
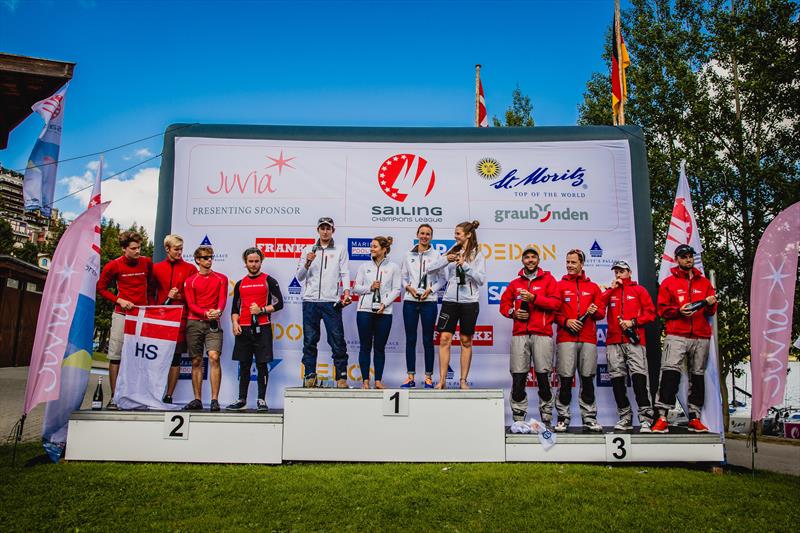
(322,268)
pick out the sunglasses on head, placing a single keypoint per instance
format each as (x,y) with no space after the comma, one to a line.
(205,257)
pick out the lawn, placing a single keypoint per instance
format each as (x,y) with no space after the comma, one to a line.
(388,497)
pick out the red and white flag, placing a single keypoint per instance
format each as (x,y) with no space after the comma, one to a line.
(683,230)
(151,333)
(483,120)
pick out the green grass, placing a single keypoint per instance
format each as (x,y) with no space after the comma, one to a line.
(388,497)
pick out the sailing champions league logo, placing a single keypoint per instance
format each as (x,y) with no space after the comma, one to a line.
(402,173)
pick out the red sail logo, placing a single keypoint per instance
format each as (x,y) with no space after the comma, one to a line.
(402,173)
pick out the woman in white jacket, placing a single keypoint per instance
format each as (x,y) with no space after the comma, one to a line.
(464,269)
(378,284)
(420,289)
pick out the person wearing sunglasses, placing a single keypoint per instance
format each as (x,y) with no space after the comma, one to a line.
(206,293)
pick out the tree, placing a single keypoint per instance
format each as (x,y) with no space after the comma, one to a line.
(715,84)
(28,252)
(519,113)
(6,237)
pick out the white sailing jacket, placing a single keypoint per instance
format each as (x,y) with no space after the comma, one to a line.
(322,278)
(416,265)
(388,274)
(475,274)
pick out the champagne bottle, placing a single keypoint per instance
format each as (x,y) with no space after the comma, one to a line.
(97,398)
(376,299)
(699,304)
(633,337)
(213,325)
(423,282)
(523,306)
(254,324)
(462,277)
(167,301)
(583,317)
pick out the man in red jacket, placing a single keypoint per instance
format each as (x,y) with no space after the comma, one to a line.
(206,294)
(530,301)
(686,301)
(131,274)
(628,307)
(576,342)
(169,276)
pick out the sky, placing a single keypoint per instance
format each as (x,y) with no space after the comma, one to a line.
(141,66)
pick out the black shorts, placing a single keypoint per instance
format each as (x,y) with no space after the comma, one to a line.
(180,349)
(463,314)
(249,344)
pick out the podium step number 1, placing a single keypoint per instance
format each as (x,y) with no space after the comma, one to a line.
(176,425)
(395,402)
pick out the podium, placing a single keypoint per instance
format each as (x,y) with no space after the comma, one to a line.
(407,425)
(175,436)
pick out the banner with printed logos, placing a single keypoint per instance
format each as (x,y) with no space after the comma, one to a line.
(233,193)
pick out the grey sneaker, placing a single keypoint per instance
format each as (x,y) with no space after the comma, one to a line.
(624,424)
(561,426)
(238,405)
(261,405)
(592,425)
(645,427)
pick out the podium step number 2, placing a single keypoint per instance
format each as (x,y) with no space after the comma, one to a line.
(395,402)
(176,425)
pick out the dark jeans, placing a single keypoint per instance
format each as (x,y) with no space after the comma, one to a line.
(412,313)
(313,312)
(373,332)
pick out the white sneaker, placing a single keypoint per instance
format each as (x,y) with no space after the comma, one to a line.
(645,427)
(561,426)
(623,425)
(592,425)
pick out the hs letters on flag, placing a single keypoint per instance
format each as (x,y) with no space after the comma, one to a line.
(151,333)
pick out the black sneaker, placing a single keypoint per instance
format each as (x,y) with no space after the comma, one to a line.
(261,405)
(167,399)
(238,405)
(214,406)
(194,405)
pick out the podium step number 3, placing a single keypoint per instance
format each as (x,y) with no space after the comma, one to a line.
(618,447)
(176,425)
(395,402)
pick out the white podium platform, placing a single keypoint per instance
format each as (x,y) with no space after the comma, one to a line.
(175,436)
(408,425)
(575,446)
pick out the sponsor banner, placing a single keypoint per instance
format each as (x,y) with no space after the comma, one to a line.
(483,336)
(217,180)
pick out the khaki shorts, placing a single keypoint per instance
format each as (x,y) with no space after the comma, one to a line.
(531,350)
(116,336)
(200,338)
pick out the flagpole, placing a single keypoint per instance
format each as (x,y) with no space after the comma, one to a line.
(477,96)
(618,41)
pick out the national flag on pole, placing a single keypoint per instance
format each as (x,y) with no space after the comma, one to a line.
(39,184)
(683,230)
(62,348)
(771,307)
(151,333)
(619,58)
(483,121)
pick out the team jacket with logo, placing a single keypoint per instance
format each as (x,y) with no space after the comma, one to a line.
(204,292)
(415,265)
(262,290)
(678,290)
(542,310)
(577,294)
(168,274)
(388,274)
(327,271)
(132,279)
(475,273)
(630,300)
